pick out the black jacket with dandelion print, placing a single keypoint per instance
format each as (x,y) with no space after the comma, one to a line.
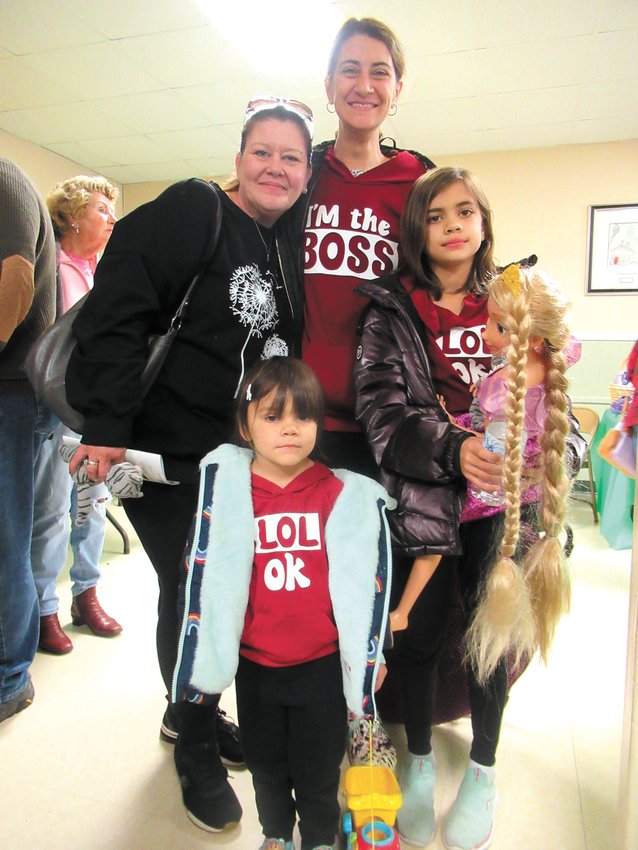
(248,304)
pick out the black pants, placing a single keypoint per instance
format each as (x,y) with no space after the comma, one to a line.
(417,649)
(162,520)
(293,728)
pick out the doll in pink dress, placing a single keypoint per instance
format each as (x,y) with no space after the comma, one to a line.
(490,405)
(526,589)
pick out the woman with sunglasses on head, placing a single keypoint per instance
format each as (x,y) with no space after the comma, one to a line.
(355,198)
(246,306)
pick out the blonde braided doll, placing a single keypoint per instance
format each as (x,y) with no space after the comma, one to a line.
(520,605)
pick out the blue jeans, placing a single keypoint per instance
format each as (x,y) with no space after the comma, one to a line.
(24,424)
(53,529)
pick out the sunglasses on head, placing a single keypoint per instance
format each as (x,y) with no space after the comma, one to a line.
(258,104)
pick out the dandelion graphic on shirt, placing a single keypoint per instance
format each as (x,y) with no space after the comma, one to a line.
(252,300)
(275,347)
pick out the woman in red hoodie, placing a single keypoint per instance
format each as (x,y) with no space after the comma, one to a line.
(355,199)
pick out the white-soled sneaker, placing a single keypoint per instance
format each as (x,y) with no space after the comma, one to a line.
(415,819)
(470,822)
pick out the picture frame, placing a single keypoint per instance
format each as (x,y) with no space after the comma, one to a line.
(613,250)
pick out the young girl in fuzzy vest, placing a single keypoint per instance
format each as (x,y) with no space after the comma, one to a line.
(287,592)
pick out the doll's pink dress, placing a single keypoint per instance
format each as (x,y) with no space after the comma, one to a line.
(492,398)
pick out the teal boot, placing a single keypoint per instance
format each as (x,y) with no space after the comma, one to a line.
(415,819)
(469,824)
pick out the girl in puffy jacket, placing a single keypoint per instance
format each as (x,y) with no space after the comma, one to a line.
(422,342)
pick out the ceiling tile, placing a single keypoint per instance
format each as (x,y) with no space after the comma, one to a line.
(185,58)
(93,71)
(197,143)
(532,65)
(601,130)
(77,152)
(517,21)
(62,123)
(446,116)
(614,57)
(529,136)
(515,109)
(151,171)
(439,144)
(457,69)
(123,173)
(171,89)
(123,18)
(19,35)
(220,102)
(608,100)
(24,83)
(212,167)
(124,150)
(153,112)
(617,15)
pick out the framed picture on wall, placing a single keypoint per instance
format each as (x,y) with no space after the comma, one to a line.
(613,249)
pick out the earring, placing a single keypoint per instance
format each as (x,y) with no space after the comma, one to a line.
(76,228)
(328,105)
(391,113)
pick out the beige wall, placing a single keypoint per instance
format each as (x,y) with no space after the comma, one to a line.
(540,199)
(43,167)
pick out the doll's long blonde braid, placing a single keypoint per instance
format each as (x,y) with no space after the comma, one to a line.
(544,565)
(504,618)
(520,607)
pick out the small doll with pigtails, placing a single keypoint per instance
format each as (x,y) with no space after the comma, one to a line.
(527,588)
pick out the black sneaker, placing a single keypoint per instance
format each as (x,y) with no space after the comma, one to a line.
(229,741)
(230,749)
(18,703)
(210,801)
(168,729)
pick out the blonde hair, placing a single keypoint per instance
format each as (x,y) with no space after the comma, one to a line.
(519,607)
(67,200)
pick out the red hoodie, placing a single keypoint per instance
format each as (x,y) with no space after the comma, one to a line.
(352,235)
(289,618)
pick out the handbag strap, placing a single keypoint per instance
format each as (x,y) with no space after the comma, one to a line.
(176,321)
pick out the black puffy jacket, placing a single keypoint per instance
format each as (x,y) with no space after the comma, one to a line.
(411,436)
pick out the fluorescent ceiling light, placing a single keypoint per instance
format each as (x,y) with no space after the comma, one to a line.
(278,37)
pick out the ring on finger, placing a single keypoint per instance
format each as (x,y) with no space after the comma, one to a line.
(91,462)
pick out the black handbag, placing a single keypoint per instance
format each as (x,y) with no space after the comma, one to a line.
(48,359)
